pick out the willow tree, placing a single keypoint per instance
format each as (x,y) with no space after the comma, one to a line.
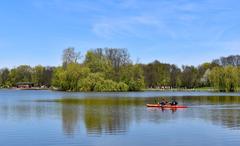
(224,79)
(67,79)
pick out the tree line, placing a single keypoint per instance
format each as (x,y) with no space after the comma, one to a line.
(106,70)
(111,69)
(24,73)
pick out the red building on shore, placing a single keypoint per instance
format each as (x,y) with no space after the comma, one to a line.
(25,85)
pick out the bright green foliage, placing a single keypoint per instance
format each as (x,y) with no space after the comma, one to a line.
(132,75)
(231,78)
(96,82)
(38,75)
(122,87)
(22,73)
(111,70)
(215,78)
(224,78)
(97,74)
(89,83)
(67,79)
(58,77)
(106,86)
(238,74)
(97,62)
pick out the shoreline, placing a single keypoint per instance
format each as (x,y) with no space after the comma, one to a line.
(14,88)
(143,90)
(204,89)
(182,89)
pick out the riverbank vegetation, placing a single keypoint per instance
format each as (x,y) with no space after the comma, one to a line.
(111,69)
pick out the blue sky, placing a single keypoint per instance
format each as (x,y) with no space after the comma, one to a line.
(187,32)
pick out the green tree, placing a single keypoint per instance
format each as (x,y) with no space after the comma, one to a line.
(231,79)
(4,77)
(133,76)
(175,76)
(47,76)
(157,74)
(38,75)
(67,79)
(189,77)
(97,62)
(224,79)
(89,83)
(23,73)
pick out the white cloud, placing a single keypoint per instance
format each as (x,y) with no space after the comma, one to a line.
(132,26)
(170,19)
(137,18)
(176,19)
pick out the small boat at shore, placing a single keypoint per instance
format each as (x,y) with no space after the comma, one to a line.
(166,106)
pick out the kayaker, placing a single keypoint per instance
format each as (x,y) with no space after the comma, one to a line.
(174,102)
(163,102)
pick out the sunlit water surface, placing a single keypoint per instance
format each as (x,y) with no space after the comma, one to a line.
(37,118)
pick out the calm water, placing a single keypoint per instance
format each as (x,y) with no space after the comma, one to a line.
(40,118)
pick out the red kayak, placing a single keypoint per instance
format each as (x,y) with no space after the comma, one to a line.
(166,106)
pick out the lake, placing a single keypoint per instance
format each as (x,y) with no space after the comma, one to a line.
(37,118)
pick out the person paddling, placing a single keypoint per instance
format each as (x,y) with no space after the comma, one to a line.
(174,102)
(163,102)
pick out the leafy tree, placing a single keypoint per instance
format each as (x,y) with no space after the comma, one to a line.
(111,69)
(224,79)
(133,76)
(97,62)
(38,75)
(89,83)
(231,79)
(47,76)
(157,74)
(189,77)
(22,73)
(175,76)
(203,72)
(205,78)
(4,77)
(67,79)
(122,87)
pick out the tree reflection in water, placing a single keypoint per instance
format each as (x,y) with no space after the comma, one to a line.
(110,116)
(70,118)
(115,115)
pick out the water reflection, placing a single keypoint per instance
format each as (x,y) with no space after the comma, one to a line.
(116,115)
(215,100)
(226,117)
(70,118)
(109,120)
